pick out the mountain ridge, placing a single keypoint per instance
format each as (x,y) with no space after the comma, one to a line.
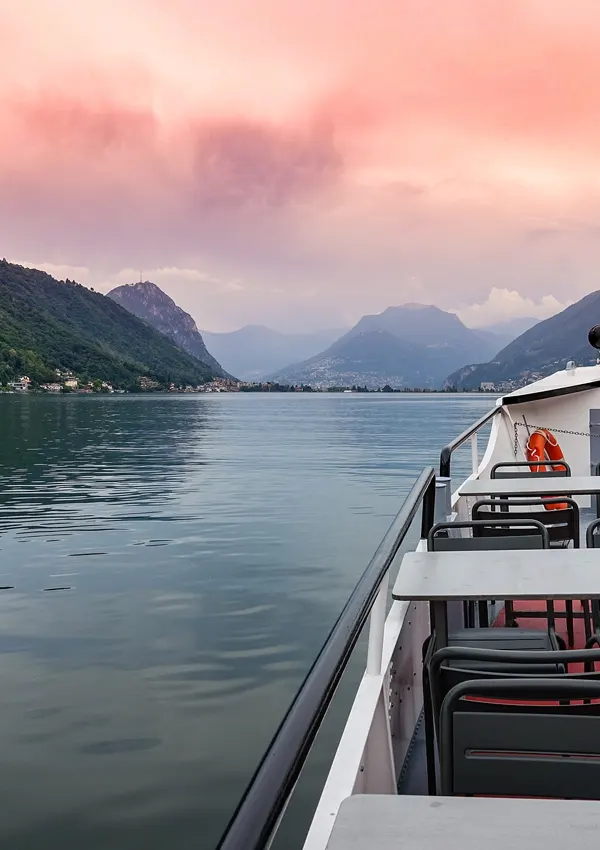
(428,338)
(151,304)
(540,350)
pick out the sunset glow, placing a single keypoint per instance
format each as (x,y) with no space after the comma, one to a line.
(300,164)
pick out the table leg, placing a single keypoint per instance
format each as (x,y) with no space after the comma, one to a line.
(439,622)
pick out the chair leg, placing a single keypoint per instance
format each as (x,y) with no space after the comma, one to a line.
(570,623)
(428,719)
(484,619)
(587,618)
(471,615)
(509,615)
(429,738)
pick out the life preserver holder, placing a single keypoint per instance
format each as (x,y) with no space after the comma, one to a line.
(543,445)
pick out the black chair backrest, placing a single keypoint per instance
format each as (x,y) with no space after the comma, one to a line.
(537,535)
(521,750)
(508,469)
(562,524)
(450,665)
(592,535)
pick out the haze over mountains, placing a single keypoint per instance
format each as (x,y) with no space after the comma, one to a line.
(511,328)
(255,351)
(542,349)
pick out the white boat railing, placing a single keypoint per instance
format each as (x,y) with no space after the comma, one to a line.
(469,434)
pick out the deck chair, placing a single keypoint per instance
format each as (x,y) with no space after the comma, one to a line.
(562,527)
(509,469)
(592,540)
(596,498)
(520,533)
(451,665)
(521,750)
(532,639)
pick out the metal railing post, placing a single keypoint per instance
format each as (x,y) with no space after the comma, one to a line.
(376,629)
(474,454)
(446,455)
(428,515)
(443,499)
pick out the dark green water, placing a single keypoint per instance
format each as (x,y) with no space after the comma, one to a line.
(205,546)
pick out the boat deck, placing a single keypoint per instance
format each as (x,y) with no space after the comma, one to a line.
(413,778)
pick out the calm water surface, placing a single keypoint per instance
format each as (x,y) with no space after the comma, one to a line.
(172,566)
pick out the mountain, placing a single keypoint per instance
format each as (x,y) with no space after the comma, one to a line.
(47,324)
(372,359)
(511,327)
(494,340)
(541,350)
(408,346)
(255,351)
(502,333)
(148,302)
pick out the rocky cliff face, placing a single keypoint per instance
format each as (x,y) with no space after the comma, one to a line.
(147,301)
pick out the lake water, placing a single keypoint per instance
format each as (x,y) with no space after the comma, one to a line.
(175,565)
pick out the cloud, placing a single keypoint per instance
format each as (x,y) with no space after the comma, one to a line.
(504,304)
(323,158)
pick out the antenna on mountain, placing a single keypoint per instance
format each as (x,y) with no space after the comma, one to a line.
(141,276)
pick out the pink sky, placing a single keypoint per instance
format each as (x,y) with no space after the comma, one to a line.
(301,163)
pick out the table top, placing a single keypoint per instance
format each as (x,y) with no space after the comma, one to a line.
(499,574)
(366,821)
(551,485)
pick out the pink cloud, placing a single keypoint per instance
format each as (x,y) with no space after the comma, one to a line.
(366,151)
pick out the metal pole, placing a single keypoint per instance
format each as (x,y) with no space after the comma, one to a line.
(428,515)
(443,499)
(376,629)
(474,454)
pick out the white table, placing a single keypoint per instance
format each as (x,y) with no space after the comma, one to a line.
(440,577)
(551,485)
(376,822)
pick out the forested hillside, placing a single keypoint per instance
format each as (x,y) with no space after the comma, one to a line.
(46,324)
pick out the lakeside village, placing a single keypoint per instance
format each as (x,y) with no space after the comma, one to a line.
(67,382)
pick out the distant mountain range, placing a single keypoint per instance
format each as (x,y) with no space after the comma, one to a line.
(511,328)
(499,335)
(407,346)
(542,349)
(148,302)
(46,324)
(138,330)
(255,351)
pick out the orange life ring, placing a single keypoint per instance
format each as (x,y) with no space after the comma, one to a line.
(543,445)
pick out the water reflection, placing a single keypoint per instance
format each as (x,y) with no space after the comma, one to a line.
(205,547)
